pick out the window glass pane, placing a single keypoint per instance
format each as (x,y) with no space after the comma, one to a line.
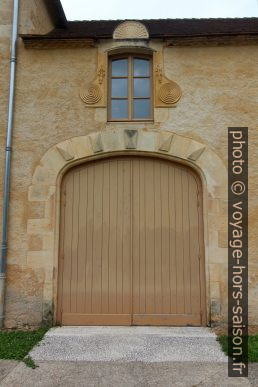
(141,87)
(119,88)
(141,108)
(120,68)
(119,108)
(141,67)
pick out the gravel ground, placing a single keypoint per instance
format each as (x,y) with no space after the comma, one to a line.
(126,357)
(129,344)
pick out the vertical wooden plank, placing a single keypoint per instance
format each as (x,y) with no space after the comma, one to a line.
(136,235)
(105,239)
(82,240)
(75,232)
(113,237)
(89,238)
(165,239)
(150,236)
(119,240)
(179,241)
(97,238)
(186,241)
(127,254)
(142,237)
(172,238)
(158,237)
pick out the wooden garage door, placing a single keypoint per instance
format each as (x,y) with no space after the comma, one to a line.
(131,244)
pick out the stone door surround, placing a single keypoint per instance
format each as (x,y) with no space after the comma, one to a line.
(45,189)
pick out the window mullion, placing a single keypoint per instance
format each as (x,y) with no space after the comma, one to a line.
(130,80)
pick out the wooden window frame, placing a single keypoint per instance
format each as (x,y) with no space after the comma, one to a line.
(130,77)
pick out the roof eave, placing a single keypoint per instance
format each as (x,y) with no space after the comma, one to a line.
(47,42)
(56,13)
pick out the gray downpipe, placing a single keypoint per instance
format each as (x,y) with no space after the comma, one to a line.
(8,152)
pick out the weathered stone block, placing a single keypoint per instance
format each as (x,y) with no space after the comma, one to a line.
(40,193)
(39,227)
(215,290)
(215,310)
(41,260)
(35,243)
(35,210)
(147,140)
(223,239)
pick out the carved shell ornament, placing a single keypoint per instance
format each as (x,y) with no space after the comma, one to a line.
(170,92)
(131,30)
(92,95)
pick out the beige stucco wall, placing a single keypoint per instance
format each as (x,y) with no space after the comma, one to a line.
(34,17)
(219,87)
(5,33)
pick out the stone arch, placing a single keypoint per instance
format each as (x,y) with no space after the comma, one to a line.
(46,181)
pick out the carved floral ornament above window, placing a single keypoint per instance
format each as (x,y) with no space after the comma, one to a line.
(166,92)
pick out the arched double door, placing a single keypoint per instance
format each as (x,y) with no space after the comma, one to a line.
(131,244)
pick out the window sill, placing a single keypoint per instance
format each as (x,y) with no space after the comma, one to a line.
(131,121)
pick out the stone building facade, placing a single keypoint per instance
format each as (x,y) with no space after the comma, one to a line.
(204,80)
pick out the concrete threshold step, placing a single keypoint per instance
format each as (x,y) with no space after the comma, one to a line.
(118,330)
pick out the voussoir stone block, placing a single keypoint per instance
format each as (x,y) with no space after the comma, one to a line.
(147,140)
(42,176)
(40,193)
(66,150)
(165,141)
(96,142)
(81,146)
(53,161)
(131,138)
(214,170)
(179,147)
(195,151)
(113,140)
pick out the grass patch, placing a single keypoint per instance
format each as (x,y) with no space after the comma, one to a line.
(16,345)
(252,346)
(29,362)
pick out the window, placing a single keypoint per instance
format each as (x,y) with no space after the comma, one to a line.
(130,88)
